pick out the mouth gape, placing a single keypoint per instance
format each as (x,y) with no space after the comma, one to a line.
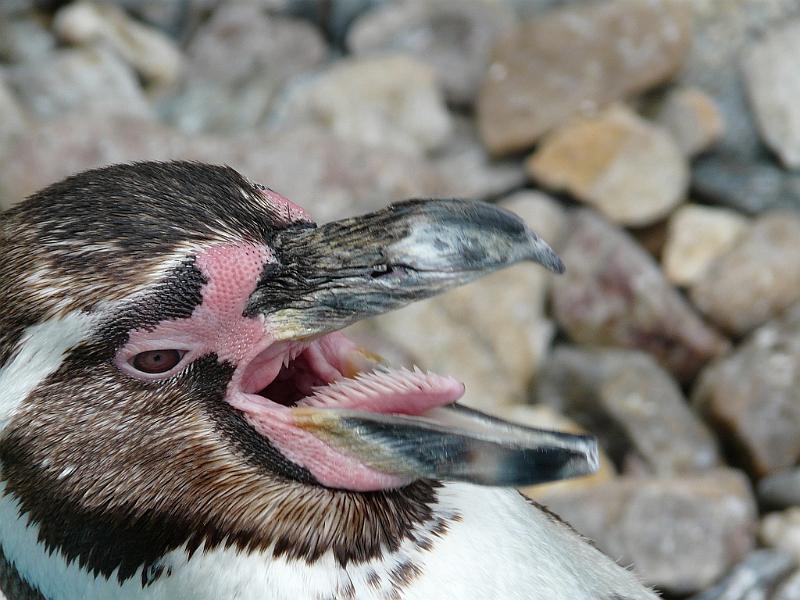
(331,372)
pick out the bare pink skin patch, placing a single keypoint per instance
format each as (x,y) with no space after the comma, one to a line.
(217,325)
(286,210)
(270,377)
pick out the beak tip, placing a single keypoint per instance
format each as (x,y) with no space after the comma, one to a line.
(545,255)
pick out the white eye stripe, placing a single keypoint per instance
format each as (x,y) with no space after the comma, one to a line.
(39,354)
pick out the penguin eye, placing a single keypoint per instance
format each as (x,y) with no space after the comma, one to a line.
(156,361)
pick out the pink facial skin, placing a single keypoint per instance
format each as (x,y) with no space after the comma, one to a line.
(218,326)
(285,209)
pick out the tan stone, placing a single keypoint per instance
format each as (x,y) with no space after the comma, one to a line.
(755,280)
(553,66)
(629,169)
(693,119)
(696,237)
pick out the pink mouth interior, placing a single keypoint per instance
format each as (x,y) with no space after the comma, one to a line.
(324,374)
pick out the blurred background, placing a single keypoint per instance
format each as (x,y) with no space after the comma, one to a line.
(655,144)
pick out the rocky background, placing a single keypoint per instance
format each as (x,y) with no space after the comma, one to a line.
(655,144)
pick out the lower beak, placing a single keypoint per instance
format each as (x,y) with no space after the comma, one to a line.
(453,443)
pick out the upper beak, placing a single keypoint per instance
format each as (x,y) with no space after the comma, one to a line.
(336,274)
(333,275)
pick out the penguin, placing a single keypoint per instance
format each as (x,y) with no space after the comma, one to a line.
(181,416)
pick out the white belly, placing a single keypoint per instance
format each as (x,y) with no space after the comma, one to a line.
(501,548)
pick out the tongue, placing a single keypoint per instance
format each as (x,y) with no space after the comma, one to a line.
(387,390)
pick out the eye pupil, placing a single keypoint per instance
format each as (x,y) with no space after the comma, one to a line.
(156,361)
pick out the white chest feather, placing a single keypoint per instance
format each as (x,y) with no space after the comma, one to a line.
(501,548)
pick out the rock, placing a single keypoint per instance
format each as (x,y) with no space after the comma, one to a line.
(491,334)
(693,119)
(148,51)
(330,177)
(789,589)
(334,18)
(454,37)
(752,397)
(240,42)
(176,18)
(13,121)
(780,490)
(470,171)
(680,533)
(24,39)
(752,578)
(696,237)
(631,404)
(238,61)
(13,7)
(773,83)
(544,417)
(749,184)
(739,173)
(52,150)
(385,101)
(89,80)
(613,294)
(781,530)
(616,49)
(205,106)
(756,279)
(630,170)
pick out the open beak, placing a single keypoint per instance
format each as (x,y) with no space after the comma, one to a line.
(407,425)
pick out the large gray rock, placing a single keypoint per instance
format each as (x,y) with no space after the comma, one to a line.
(773,83)
(238,62)
(680,533)
(757,279)
(24,39)
(614,294)
(536,81)
(152,54)
(752,184)
(240,42)
(387,101)
(89,80)
(492,334)
(452,36)
(631,404)
(752,397)
(738,172)
(328,176)
(630,170)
